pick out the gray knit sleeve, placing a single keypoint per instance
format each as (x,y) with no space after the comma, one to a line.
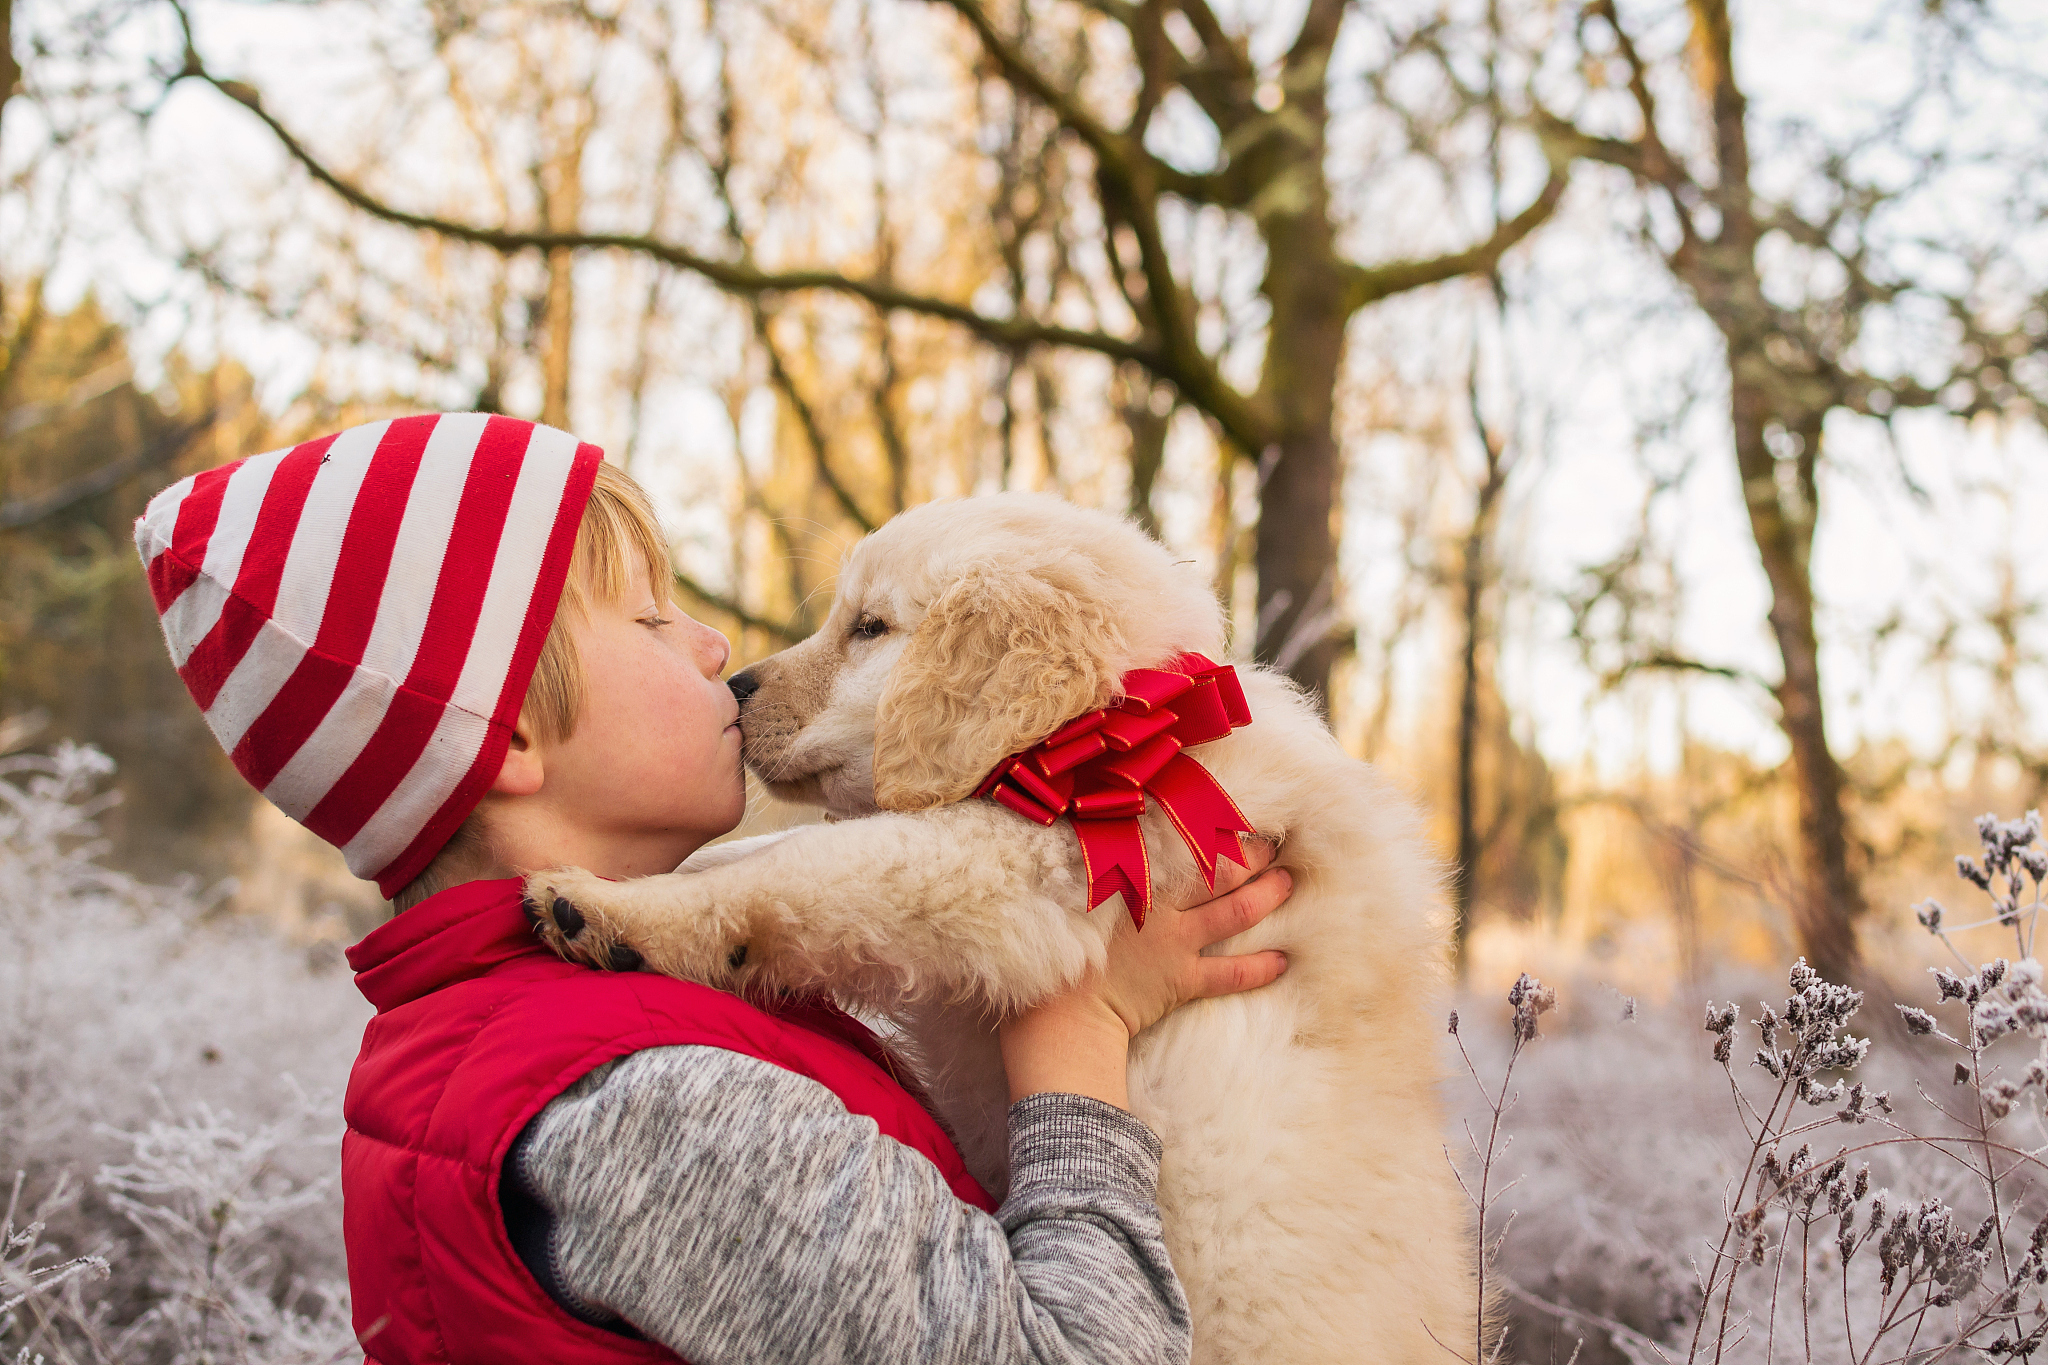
(735,1212)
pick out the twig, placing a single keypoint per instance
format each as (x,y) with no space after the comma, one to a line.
(25,512)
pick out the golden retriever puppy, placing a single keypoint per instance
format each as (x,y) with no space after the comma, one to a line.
(1308,1205)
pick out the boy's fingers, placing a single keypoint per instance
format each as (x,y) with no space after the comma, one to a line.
(1216,976)
(1230,915)
(1258,856)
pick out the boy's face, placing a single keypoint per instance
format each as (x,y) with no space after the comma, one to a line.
(652,769)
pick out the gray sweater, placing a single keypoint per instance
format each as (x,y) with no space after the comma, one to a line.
(735,1212)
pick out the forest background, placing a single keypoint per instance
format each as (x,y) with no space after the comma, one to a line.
(1625,416)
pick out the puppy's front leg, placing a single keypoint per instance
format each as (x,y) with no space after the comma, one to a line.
(962,902)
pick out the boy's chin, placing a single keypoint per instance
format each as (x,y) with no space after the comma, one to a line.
(736,801)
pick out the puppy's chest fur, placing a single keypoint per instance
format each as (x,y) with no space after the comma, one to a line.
(1307,1204)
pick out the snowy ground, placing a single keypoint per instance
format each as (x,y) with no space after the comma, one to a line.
(170,1079)
(170,1083)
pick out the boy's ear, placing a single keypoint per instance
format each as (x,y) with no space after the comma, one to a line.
(521,772)
(1004,657)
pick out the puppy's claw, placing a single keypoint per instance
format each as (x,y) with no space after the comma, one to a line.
(576,934)
(586,919)
(568,918)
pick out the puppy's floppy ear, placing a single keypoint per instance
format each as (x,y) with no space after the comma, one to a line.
(1004,657)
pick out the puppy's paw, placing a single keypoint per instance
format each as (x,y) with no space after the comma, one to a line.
(663,924)
(567,907)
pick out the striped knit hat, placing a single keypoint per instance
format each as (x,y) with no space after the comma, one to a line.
(359,616)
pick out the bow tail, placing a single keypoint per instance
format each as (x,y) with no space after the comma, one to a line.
(1208,820)
(1114,853)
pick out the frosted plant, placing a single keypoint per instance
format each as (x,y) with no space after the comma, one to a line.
(1814,1252)
(2009,859)
(149,1038)
(1528,1001)
(208,1196)
(39,1285)
(1798,1047)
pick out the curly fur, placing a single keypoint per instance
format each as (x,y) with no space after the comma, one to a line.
(1003,657)
(1308,1205)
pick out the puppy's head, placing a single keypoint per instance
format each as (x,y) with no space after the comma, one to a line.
(964,631)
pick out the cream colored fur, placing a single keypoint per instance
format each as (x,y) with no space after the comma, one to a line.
(1308,1205)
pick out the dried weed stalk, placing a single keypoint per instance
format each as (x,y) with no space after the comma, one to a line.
(1529,999)
(1813,1256)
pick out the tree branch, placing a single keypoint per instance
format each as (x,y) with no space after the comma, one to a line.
(1125,12)
(1658,163)
(1108,146)
(718,601)
(1130,180)
(1161,59)
(25,512)
(1222,86)
(1370,284)
(1665,662)
(1639,1349)
(807,418)
(1310,51)
(1570,139)
(733,277)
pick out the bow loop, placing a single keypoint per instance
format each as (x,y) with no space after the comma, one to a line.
(1071,754)
(1098,770)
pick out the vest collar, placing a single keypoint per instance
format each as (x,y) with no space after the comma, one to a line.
(463,932)
(473,929)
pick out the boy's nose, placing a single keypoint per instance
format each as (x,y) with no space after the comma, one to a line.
(743,684)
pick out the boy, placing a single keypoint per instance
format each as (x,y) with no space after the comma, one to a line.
(444,643)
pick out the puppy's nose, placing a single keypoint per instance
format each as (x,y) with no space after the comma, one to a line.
(743,684)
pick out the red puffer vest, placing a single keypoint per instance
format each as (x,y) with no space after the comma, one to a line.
(478,1026)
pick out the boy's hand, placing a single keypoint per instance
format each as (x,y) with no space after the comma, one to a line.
(1151,973)
(1078,1042)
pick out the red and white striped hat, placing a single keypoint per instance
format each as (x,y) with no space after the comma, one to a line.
(359,616)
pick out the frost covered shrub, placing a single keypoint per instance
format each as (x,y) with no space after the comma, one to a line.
(168,1094)
(1779,1194)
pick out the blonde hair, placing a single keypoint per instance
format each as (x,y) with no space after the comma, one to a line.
(618,528)
(618,531)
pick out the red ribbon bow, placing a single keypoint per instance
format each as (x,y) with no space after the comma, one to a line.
(1098,769)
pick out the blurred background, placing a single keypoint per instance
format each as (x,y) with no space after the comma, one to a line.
(1625,419)
(1625,415)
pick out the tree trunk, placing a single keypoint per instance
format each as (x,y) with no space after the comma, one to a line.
(1828,899)
(10,70)
(1675,851)
(1297,561)
(560,319)
(1297,534)
(1147,430)
(561,184)
(1474,573)
(1465,872)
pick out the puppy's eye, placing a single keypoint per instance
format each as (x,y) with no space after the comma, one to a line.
(870,628)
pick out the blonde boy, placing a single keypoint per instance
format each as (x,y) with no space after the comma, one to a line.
(445,643)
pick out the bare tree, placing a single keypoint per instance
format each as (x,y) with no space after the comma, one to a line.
(1828,298)
(1269,123)
(1476,578)
(10,69)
